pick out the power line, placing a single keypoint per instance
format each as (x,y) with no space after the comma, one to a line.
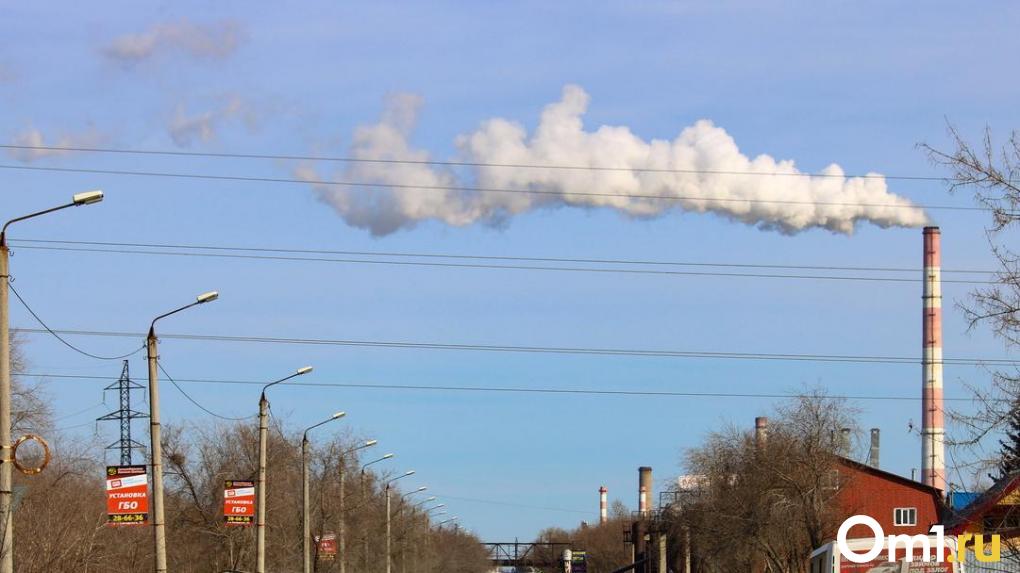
(511,504)
(370,185)
(347,159)
(459,256)
(497,266)
(61,339)
(517,390)
(588,351)
(192,400)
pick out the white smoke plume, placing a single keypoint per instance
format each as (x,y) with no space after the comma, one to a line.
(701,171)
(217,40)
(33,138)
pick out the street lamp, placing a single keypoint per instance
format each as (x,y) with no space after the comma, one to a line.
(155,431)
(6,469)
(389,554)
(260,523)
(429,499)
(364,500)
(440,524)
(306,526)
(340,513)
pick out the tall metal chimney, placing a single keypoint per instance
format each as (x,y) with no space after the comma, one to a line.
(603,505)
(644,489)
(873,456)
(761,430)
(933,449)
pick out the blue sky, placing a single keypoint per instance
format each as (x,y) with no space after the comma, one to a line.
(853,83)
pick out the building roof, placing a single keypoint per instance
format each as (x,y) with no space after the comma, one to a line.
(890,476)
(976,510)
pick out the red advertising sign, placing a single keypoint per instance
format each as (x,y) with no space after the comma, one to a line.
(127,495)
(326,546)
(239,502)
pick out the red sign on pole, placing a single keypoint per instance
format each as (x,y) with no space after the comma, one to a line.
(326,546)
(239,502)
(127,495)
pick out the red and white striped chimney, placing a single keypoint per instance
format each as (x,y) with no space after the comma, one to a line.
(603,505)
(933,449)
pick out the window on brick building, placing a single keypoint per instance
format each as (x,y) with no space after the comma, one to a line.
(903,516)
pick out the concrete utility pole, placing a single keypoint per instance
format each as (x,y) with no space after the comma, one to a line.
(306,526)
(260,508)
(389,544)
(155,437)
(364,498)
(6,451)
(341,521)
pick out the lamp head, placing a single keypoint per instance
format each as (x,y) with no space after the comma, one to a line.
(87,197)
(338,415)
(388,456)
(304,370)
(408,473)
(207,297)
(371,443)
(422,488)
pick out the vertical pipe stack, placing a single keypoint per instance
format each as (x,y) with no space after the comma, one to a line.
(933,465)
(644,489)
(873,456)
(761,430)
(603,506)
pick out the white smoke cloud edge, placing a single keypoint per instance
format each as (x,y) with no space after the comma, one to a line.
(214,41)
(783,203)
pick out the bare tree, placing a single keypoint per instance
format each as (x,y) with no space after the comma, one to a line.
(991,172)
(771,494)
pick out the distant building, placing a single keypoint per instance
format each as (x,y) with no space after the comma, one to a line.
(900,505)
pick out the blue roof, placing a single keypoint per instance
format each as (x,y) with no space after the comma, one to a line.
(961,499)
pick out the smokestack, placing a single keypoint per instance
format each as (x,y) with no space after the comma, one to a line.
(844,442)
(644,489)
(761,430)
(873,456)
(603,506)
(933,451)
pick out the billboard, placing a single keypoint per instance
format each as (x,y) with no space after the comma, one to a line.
(325,546)
(238,503)
(578,562)
(127,495)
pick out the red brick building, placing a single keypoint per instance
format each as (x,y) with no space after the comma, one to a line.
(900,505)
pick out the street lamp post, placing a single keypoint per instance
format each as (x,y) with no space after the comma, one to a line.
(155,432)
(6,469)
(260,520)
(306,543)
(364,500)
(340,514)
(389,554)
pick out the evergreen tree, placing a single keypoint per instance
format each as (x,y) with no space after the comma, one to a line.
(1009,446)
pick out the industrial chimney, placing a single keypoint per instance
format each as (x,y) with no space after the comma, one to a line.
(644,489)
(933,465)
(603,505)
(873,456)
(761,430)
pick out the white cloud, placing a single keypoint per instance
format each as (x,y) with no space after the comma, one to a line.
(693,171)
(35,146)
(185,129)
(214,41)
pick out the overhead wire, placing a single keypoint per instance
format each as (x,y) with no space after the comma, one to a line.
(567,350)
(519,390)
(448,163)
(626,271)
(473,189)
(461,256)
(192,400)
(60,338)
